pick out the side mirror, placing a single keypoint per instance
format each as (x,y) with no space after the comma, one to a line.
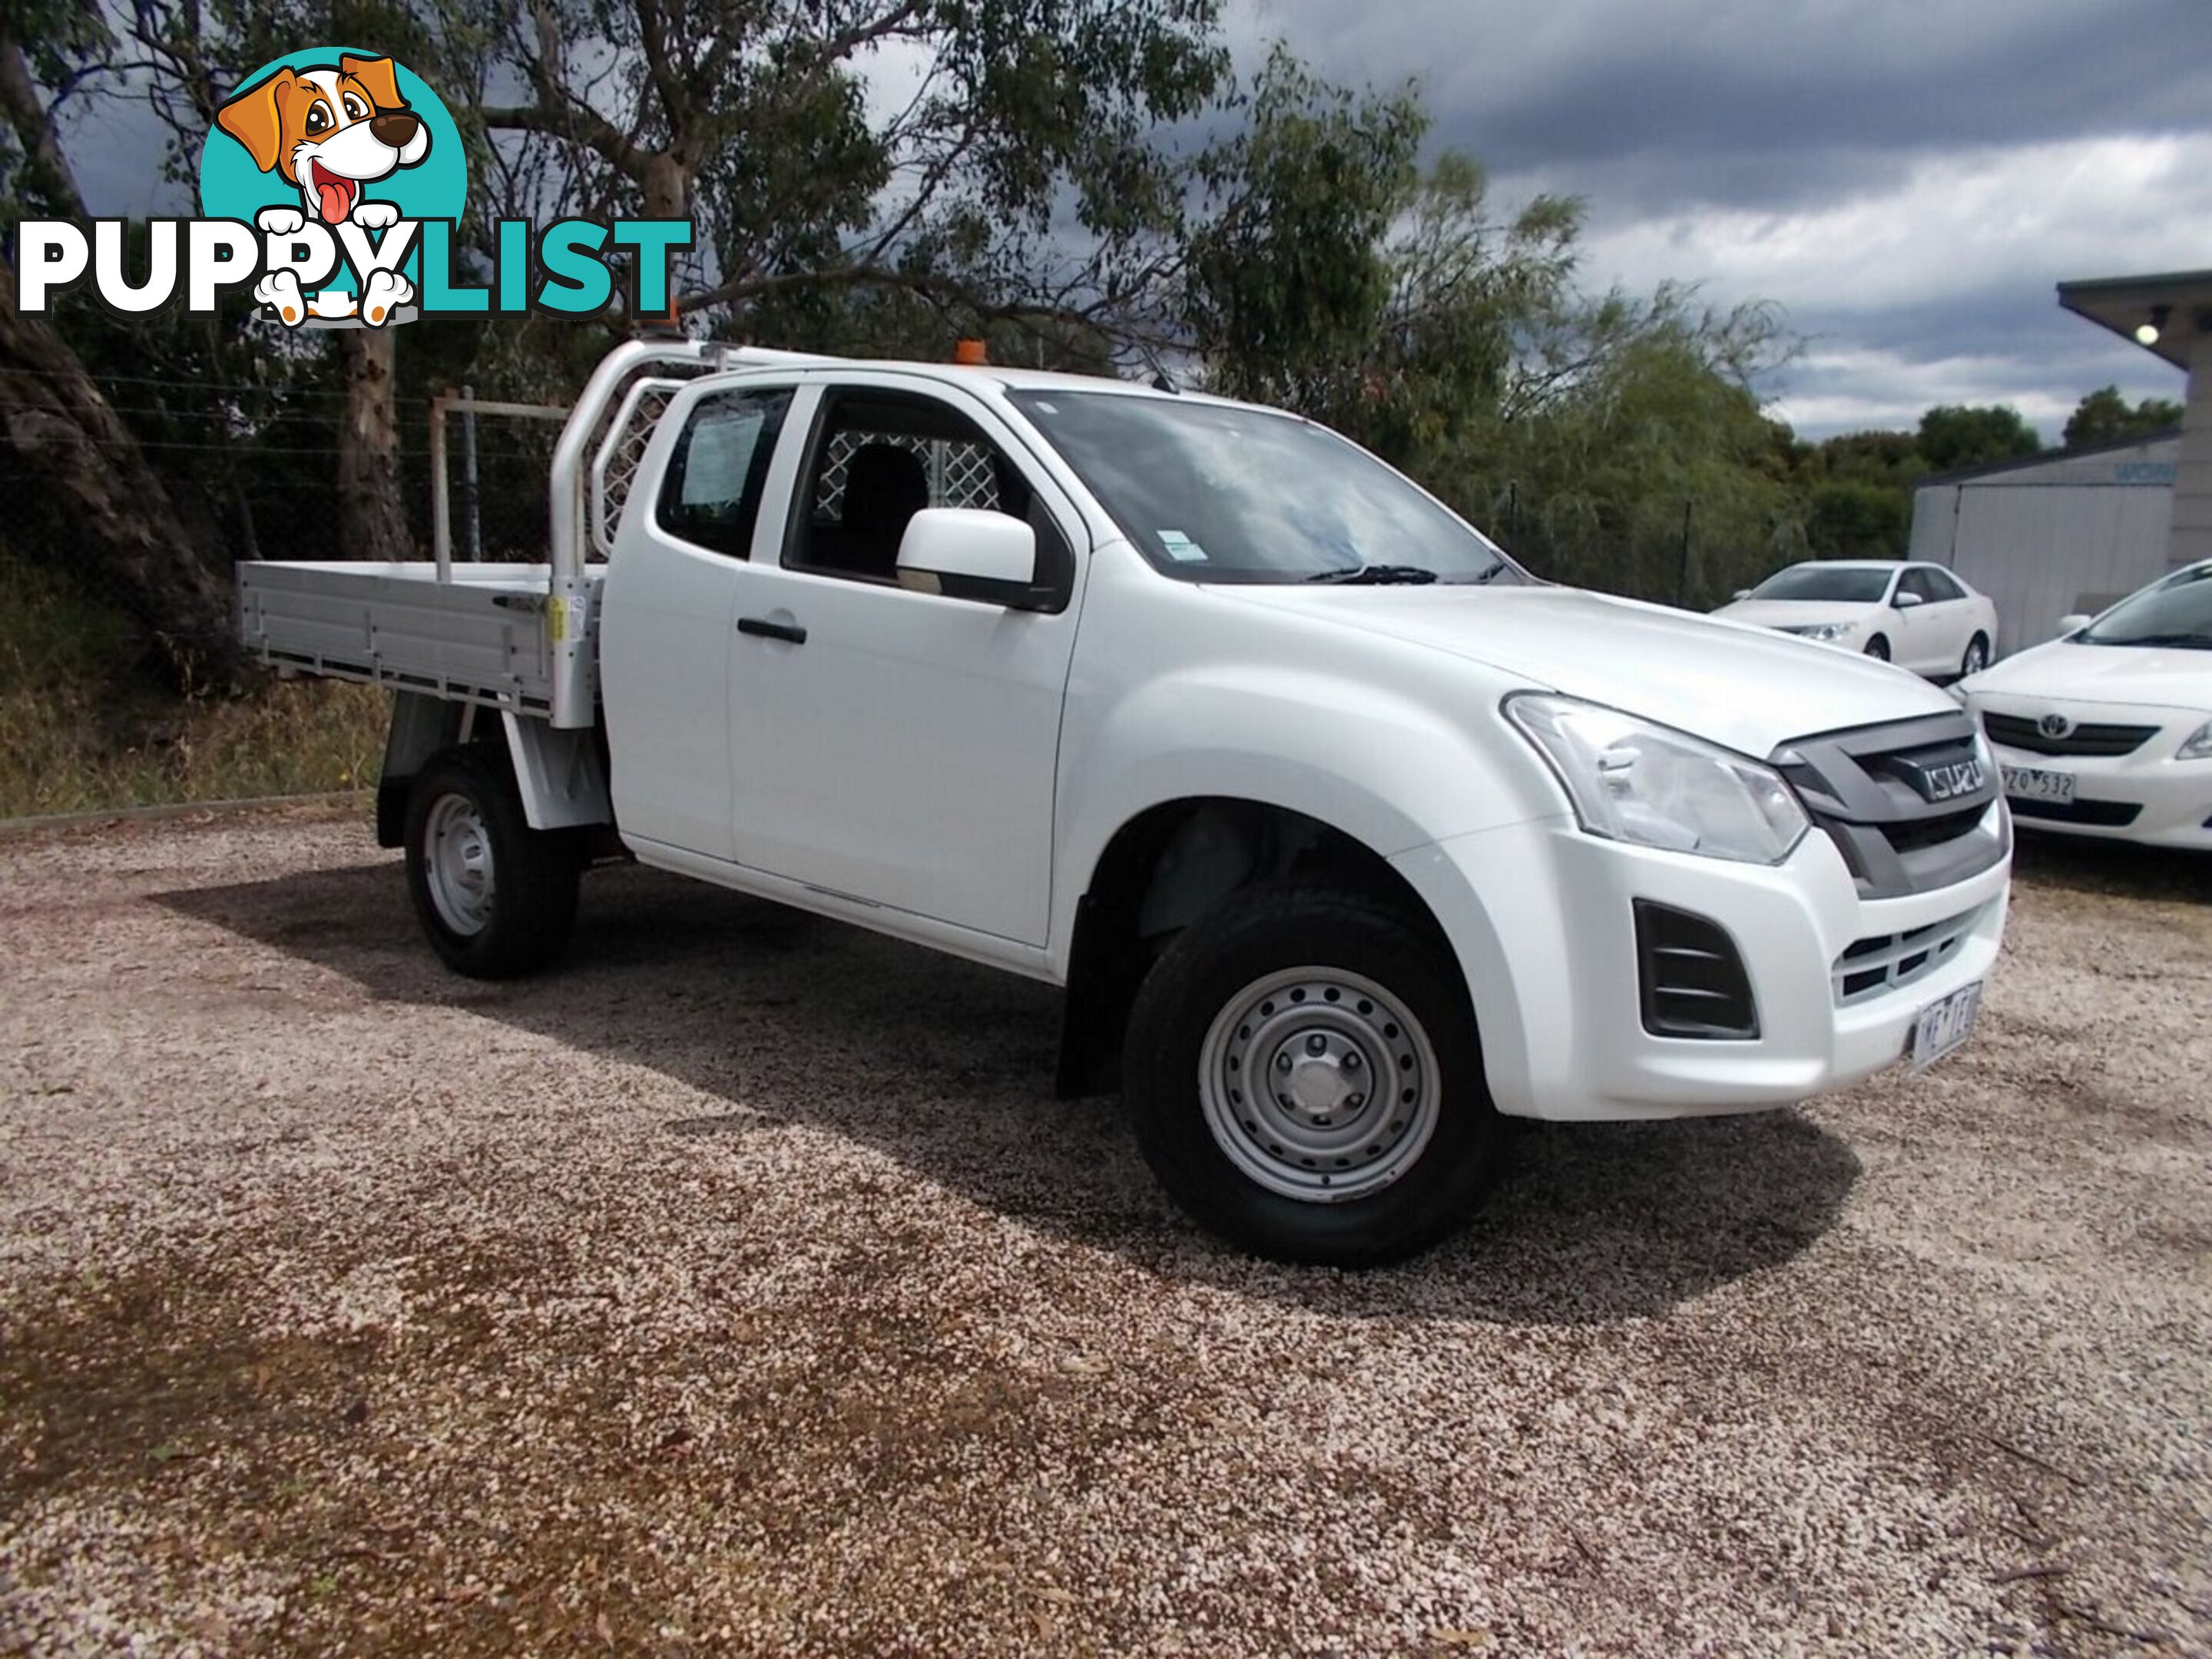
(1906,601)
(1739,596)
(2073,623)
(988,555)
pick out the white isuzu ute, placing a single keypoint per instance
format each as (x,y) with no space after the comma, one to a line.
(1346,837)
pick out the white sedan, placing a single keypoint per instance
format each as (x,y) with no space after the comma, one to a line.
(1918,615)
(2107,730)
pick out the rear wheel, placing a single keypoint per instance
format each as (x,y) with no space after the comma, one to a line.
(496,898)
(1976,658)
(1878,648)
(1304,1078)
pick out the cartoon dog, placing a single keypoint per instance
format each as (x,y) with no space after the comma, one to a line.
(330,131)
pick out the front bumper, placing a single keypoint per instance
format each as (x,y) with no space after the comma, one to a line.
(2172,799)
(1542,917)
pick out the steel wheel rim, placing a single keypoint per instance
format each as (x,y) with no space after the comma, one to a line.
(1978,657)
(456,864)
(1320,1129)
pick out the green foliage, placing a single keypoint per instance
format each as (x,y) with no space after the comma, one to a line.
(829,205)
(1613,441)
(1854,519)
(2103,417)
(1630,453)
(1289,286)
(1956,435)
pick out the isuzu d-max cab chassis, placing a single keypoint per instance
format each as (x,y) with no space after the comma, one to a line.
(1346,837)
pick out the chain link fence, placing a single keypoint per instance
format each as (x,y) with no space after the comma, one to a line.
(91,717)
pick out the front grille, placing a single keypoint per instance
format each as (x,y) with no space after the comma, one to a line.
(1866,788)
(1692,976)
(1886,961)
(2103,814)
(2020,732)
(1911,837)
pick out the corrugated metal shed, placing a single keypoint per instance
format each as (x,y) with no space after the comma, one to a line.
(2054,533)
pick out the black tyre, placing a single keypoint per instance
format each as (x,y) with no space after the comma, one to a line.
(496,898)
(1302,1072)
(1878,648)
(1976,658)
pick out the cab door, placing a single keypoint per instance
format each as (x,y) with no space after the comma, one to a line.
(890,744)
(667,610)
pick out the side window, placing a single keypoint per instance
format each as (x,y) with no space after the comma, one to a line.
(881,457)
(1942,587)
(712,493)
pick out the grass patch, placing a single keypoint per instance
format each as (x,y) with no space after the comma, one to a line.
(81,729)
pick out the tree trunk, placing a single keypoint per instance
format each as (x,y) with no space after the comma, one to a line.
(100,510)
(372,524)
(44,166)
(666,186)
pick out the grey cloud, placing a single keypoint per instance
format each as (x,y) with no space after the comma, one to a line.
(1720,102)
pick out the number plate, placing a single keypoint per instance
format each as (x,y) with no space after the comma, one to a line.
(2037,783)
(1943,1026)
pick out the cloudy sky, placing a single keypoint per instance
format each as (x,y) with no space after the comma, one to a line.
(1907,180)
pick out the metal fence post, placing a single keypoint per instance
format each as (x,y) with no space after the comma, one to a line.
(1682,576)
(471,525)
(442,527)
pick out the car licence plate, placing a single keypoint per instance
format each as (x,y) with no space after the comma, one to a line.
(2039,783)
(1943,1026)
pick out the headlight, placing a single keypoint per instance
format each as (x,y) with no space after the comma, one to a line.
(1824,632)
(2198,745)
(1634,781)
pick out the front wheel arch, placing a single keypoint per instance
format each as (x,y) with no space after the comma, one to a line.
(1109,954)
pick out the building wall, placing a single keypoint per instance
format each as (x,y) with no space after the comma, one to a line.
(2051,537)
(2192,485)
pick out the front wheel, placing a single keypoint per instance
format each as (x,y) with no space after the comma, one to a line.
(1878,648)
(1304,1078)
(496,898)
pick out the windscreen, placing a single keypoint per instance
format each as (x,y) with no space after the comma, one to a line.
(2176,612)
(1209,492)
(1835,584)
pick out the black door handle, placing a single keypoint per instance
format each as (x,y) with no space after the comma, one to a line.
(772,630)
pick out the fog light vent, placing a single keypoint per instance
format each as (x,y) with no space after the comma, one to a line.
(1692,976)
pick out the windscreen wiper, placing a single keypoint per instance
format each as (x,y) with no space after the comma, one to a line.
(1374,575)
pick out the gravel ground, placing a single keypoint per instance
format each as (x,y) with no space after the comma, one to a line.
(742,1288)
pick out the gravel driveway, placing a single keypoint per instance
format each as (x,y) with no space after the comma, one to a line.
(742,1288)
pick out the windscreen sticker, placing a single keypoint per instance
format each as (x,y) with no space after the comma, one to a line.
(1180,548)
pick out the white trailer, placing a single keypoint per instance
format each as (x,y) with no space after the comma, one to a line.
(2053,534)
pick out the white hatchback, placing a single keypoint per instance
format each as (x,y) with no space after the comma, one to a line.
(2107,730)
(1918,615)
